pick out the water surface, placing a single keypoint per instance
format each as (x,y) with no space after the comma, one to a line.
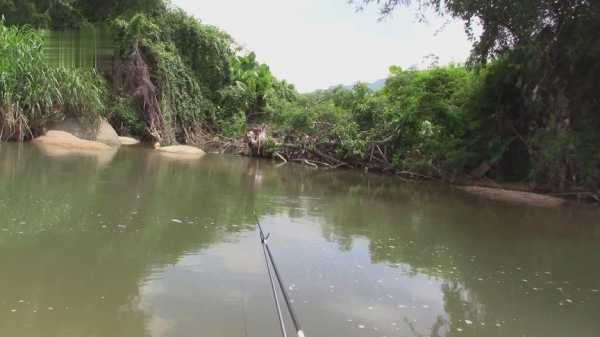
(136,245)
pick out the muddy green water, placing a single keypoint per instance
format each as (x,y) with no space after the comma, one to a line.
(142,245)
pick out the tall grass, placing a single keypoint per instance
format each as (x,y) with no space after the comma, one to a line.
(32,92)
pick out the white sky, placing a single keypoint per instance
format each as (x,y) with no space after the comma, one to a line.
(315,44)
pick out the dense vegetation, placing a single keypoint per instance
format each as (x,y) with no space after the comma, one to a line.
(542,88)
(32,92)
(171,78)
(525,108)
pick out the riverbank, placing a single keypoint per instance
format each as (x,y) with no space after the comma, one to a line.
(63,144)
(512,192)
(452,123)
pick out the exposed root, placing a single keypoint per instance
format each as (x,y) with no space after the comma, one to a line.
(133,78)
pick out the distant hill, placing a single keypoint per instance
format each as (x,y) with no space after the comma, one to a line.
(375,86)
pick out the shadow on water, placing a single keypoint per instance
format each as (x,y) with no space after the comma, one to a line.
(114,249)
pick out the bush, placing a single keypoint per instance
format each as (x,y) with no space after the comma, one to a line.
(32,92)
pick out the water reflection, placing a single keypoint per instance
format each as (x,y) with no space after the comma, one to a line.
(147,246)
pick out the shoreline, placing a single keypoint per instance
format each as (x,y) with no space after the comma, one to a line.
(514,193)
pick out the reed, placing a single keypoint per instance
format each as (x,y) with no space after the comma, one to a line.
(33,92)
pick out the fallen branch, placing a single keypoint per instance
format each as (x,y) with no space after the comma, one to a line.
(306,162)
(310,164)
(278,155)
(383,155)
(338,163)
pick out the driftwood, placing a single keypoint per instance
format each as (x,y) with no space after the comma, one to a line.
(306,162)
(520,197)
(278,155)
(294,151)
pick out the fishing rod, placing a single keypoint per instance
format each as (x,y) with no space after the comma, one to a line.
(274,274)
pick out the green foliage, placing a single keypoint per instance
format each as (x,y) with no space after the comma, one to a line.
(527,105)
(125,118)
(417,122)
(538,99)
(205,49)
(189,73)
(32,92)
(185,102)
(200,78)
(70,14)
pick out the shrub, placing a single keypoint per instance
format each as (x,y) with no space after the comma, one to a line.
(32,92)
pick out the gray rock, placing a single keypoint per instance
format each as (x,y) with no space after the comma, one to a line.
(104,133)
(107,135)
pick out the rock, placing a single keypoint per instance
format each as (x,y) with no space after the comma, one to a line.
(181,149)
(527,198)
(184,152)
(63,144)
(104,133)
(128,141)
(68,141)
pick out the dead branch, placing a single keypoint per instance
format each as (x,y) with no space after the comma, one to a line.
(278,155)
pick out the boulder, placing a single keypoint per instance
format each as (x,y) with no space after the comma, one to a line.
(103,133)
(184,152)
(66,140)
(106,134)
(128,141)
(63,144)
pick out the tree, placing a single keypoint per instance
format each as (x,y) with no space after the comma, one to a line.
(550,52)
(505,24)
(66,14)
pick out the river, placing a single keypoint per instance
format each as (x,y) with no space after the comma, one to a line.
(143,245)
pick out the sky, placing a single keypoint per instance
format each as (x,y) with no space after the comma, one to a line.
(316,44)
